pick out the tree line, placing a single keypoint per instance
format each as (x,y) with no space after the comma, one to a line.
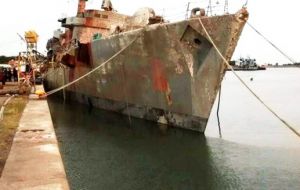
(5,59)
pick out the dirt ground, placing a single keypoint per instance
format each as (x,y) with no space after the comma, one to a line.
(12,114)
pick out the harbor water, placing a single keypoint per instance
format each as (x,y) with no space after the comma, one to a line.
(103,150)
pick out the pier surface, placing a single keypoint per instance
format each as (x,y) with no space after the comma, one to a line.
(34,161)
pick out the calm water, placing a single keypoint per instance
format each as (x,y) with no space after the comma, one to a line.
(102,150)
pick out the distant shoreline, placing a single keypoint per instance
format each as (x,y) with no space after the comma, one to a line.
(284,66)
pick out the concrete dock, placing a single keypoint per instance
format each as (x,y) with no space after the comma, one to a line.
(34,161)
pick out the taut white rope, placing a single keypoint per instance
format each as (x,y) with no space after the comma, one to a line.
(241,80)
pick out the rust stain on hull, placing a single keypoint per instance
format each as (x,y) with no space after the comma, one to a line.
(160,82)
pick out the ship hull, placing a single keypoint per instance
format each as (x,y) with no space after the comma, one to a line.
(170,74)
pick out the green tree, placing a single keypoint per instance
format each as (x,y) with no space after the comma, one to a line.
(5,59)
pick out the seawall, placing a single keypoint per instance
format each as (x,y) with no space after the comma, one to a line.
(34,161)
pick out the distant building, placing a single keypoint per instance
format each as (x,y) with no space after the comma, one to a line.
(245,64)
(5,66)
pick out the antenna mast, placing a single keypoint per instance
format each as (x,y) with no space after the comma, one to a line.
(226,7)
(209,8)
(187,10)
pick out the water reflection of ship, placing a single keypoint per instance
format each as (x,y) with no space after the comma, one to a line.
(246,64)
(140,152)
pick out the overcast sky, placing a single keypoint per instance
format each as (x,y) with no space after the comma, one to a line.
(277,20)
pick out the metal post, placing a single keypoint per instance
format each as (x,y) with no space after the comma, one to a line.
(64,81)
(19,68)
(187,10)
(33,74)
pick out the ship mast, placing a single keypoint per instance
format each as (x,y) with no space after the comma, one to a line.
(226,7)
(209,8)
(187,10)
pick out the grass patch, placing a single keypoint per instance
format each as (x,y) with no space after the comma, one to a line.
(8,126)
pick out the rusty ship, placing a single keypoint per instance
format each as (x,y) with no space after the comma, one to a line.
(143,66)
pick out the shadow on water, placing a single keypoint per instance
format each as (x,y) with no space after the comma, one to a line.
(101,150)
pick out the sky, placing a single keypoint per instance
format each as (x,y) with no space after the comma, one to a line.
(277,20)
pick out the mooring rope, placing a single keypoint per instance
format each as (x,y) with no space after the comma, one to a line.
(92,71)
(126,95)
(218,109)
(272,44)
(242,81)
(4,105)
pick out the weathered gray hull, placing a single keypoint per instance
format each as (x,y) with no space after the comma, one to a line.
(171,74)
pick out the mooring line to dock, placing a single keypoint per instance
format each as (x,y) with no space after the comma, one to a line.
(271,43)
(242,81)
(3,107)
(92,71)
(218,109)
